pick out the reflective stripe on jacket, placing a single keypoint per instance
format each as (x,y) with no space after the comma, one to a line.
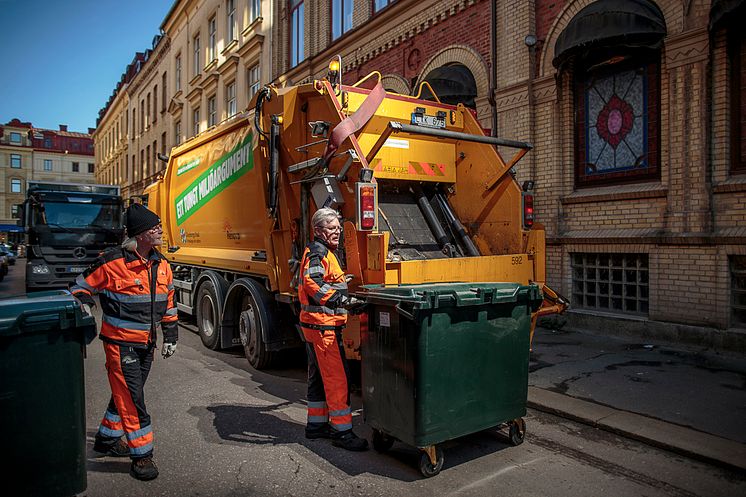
(322,289)
(130,311)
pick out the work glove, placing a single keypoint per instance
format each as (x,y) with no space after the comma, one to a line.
(87,311)
(168,349)
(349,277)
(354,305)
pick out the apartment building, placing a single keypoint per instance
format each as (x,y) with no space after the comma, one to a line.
(29,153)
(204,67)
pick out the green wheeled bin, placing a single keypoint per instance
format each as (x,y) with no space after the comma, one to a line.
(42,393)
(446,360)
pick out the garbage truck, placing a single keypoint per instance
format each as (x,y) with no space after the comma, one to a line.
(425,197)
(67,226)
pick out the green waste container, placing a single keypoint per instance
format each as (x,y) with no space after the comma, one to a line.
(443,361)
(42,392)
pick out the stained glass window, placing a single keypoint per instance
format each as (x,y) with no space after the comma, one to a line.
(617,125)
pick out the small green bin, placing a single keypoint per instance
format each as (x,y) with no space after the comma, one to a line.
(443,361)
(42,392)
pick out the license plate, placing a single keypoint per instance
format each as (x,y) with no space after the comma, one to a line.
(75,269)
(428,121)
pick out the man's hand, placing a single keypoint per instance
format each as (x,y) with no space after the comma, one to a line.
(354,305)
(168,350)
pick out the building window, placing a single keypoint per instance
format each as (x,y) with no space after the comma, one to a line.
(255,10)
(146,167)
(211,112)
(47,142)
(177,133)
(75,146)
(15,185)
(143,165)
(230,20)
(142,116)
(147,112)
(253,77)
(230,99)
(47,164)
(738,290)
(76,167)
(163,143)
(90,167)
(617,108)
(195,55)
(134,122)
(177,73)
(297,49)
(381,4)
(341,17)
(195,122)
(15,138)
(15,161)
(737,56)
(155,104)
(610,282)
(164,82)
(212,39)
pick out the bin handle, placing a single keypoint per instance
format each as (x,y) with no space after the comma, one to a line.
(400,310)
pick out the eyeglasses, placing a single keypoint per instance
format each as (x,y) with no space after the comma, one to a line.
(333,230)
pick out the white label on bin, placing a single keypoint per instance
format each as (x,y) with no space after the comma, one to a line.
(384,319)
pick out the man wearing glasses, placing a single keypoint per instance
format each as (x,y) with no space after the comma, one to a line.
(324,303)
(136,290)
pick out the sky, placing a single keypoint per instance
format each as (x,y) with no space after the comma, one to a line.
(62,59)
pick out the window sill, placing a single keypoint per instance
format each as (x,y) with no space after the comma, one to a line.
(232,45)
(195,79)
(211,65)
(616,193)
(733,184)
(253,24)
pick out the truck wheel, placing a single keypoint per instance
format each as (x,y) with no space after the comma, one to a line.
(254,319)
(208,315)
(517,431)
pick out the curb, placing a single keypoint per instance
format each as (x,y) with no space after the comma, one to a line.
(674,438)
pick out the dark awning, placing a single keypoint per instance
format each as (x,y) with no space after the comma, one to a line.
(453,84)
(722,9)
(611,23)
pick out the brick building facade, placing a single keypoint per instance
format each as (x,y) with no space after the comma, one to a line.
(638,125)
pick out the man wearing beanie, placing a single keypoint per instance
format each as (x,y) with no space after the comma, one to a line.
(135,287)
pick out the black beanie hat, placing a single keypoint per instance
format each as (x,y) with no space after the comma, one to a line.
(139,219)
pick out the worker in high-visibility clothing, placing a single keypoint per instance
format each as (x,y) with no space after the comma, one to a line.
(135,287)
(324,303)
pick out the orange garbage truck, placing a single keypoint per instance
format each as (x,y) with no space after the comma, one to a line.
(424,197)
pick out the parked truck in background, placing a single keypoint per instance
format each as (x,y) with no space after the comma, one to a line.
(424,195)
(67,226)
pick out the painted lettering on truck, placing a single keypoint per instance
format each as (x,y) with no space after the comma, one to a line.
(224,172)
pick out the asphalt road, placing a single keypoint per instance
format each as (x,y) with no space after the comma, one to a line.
(224,429)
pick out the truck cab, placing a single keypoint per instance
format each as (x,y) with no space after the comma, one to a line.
(67,227)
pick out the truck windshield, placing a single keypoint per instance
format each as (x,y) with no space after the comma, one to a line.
(78,215)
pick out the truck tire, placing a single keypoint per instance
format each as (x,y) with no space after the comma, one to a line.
(208,307)
(255,318)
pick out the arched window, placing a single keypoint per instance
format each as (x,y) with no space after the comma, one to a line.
(612,48)
(454,84)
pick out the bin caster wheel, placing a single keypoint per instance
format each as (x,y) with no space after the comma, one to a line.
(517,431)
(381,441)
(427,468)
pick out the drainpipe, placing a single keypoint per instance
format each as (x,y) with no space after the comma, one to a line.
(493,73)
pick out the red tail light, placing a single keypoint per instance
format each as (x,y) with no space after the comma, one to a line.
(528,210)
(367,207)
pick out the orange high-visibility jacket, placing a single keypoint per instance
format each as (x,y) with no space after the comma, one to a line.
(322,290)
(135,296)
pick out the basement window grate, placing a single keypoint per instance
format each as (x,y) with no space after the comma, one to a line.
(617,283)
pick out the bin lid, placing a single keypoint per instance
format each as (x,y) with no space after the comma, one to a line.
(41,311)
(453,294)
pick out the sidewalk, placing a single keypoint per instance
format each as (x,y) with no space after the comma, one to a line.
(686,400)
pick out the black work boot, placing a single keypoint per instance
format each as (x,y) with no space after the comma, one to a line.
(321,431)
(113,447)
(144,469)
(349,441)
